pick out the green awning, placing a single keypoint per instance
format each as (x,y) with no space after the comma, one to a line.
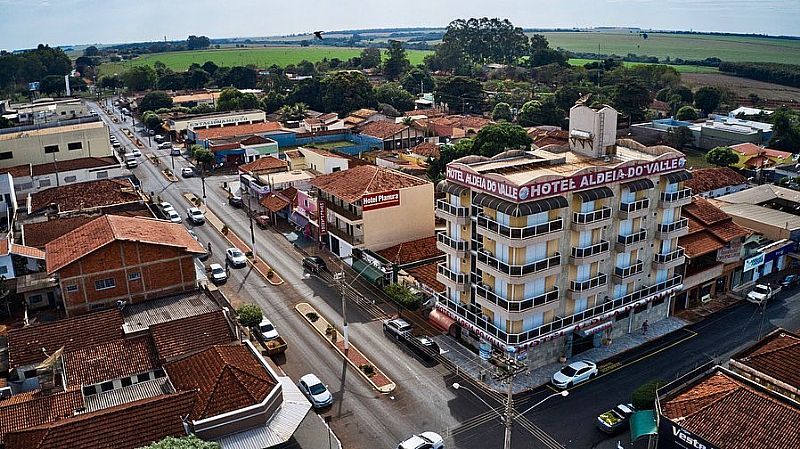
(643,424)
(368,271)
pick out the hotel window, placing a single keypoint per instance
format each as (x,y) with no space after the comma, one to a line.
(620,290)
(75,146)
(72,288)
(69,179)
(581,304)
(104,284)
(49,149)
(102,174)
(6,155)
(44,182)
(134,276)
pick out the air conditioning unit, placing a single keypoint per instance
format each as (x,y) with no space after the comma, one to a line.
(705,298)
(5,393)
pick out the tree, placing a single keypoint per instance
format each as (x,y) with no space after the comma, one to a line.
(566,97)
(460,93)
(91,51)
(250,315)
(680,137)
(393,94)
(448,57)
(535,113)
(687,113)
(707,99)
(370,58)
(170,80)
(417,80)
(496,138)
(344,92)
(447,154)
(631,97)
(197,79)
(240,77)
(722,157)
(210,67)
(142,77)
(249,101)
(229,99)
(151,120)
(539,42)
(295,112)
(396,61)
(197,42)
(487,40)
(547,56)
(53,85)
(403,296)
(110,82)
(155,100)
(785,130)
(644,397)
(187,442)
(502,112)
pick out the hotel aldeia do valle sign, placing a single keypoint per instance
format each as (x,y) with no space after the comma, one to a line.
(559,186)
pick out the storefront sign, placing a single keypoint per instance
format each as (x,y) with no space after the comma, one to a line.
(753,262)
(780,252)
(218,121)
(731,252)
(560,186)
(673,436)
(322,213)
(374,201)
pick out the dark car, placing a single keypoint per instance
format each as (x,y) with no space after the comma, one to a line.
(790,280)
(314,264)
(424,347)
(235,201)
(616,419)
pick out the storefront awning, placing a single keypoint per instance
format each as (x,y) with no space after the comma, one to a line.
(450,187)
(595,194)
(367,271)
(643,424)
(678,176)
(522,209)
(593,329)
(639,184)
(441,321)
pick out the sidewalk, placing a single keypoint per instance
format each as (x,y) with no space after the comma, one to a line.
(468,362)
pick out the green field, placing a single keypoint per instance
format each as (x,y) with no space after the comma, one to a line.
(259,56)
(679,68)
(685,46)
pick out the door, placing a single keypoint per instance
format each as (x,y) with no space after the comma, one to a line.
(534,288)
(587,206)
(536,252)
(626,227)
(628,196)
(583,272)
(535,219)
(623,260)
(585,239)
(669,216)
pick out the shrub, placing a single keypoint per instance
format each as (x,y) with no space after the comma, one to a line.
(368,369)
(644,397)
(313,317)
(250,315)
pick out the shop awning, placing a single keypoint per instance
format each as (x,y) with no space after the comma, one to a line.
(522,209)
(367,271)
(298,219)
(591,330)
(450,187)
(643,424)
(639,184)
(678,176)
(595,194)
(441,321)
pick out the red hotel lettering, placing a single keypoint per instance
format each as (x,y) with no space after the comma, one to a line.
(380,200)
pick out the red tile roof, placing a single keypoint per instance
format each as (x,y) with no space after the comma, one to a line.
(426,274)
(382,129)
(7,248)
(273,203)
(429,113)
(109,228)
(709,228)
(19,171)
(544,137)
(188,335)
(753,149)
(226,378)
(427,149)
(735,415)
(708,179)
(34,343)
(777,356)
(110,360)
(237,130)
(268,163)
(413,251)
(350,185)
(34,408)
(660,105)
(41,233)
(127,426)
(86,195)
(705,212)
(461,121)
(699,243)
(74,164)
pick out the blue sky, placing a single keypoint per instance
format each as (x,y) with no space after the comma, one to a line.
(25,23)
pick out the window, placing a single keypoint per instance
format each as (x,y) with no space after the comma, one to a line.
(106,386)
(69,179)
(134,276)
(100,306)
(34,299)
(104,284)
(126,381)
(72,288)
(143,377)
(102,174)
(89,390)
(3,269)
(30,374)
(335,169)
(49,149)
(44,182)
(6,155)
(75,146)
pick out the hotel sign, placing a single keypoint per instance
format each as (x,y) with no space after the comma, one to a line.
(218,121)
(543,189)
(380,200)
(322,213)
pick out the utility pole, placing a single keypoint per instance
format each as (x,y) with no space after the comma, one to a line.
(252,232)
(340,278)
(512,369)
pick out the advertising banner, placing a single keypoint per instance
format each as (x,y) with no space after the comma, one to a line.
(673,436)
(731,252)
(322,213)
(380,200)
(753,262)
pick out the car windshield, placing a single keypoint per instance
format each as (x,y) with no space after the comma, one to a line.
(618,413)
(218,270)
(267,327)
(761,289)
(568,371)
(236,253)
(316,389)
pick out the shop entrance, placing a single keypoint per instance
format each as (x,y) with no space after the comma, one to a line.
(582,344)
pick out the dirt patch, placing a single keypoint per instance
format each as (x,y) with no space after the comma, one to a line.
(742,86)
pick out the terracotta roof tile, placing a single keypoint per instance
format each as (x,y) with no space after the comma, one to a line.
(28,345)
(777,356)
(34,408)
(86,195)
(110,360)
(19,171)
(273,203)
(238,130)
(705,212)
(127,426)
(461,121)
(382,129)
(430,113)
(427,149)
(268,163)
(660,105)
(699,243)
(41,233)
(753,149)
(26,251)
(708,179)
(413,251)
(350,185)
(289,194)
(728,231)
(226,378)
(426,274)
(187,335)
(363,113)
(109,228)
(74,164)
(544,137)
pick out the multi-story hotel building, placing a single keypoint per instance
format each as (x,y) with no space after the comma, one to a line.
(559,249)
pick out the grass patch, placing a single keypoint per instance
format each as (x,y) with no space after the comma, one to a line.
(695,158)
(679,68)
(332,145)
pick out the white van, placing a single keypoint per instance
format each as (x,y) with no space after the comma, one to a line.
(130,161)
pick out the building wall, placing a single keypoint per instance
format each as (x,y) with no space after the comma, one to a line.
(7,267)
(28,147)
(723,191)
(413,219)
(162,270)
(324,164)
(772,232)
(8,199)
(43,182)
(200,122)
(584,118)
(406,138)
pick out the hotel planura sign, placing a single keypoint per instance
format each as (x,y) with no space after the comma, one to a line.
(380,200)
(553,187)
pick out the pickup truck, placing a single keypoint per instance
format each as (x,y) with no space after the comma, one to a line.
(762,293)
(268,336)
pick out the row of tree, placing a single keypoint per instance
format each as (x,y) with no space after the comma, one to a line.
(19,69)
(786,74)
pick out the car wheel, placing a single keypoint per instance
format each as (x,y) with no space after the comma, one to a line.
(593,375)
(570,384)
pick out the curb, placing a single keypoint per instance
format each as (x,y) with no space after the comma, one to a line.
(309,308)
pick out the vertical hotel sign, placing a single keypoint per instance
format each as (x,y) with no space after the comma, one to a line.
(322,213)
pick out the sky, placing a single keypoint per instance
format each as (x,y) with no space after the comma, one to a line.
(26,23)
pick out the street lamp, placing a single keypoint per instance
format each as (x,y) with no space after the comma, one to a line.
(563,394)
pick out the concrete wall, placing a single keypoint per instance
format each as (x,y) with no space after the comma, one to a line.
(324,164)
(412,219)
(586,119)
(28,147)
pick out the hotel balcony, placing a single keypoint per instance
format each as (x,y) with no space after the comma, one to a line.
(450,245)
(522,236)
(448,277)
(626,243)
(663,261)
(523,305)
(454,214)
(585,221)
(675,199)
(518,273)
(353,240)
(593,286)
(344,212)
(634,209)
(672,230)
(589,254)
(624,273)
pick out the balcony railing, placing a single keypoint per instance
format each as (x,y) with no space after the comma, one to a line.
(342,234)
(632,238)
(635,205)
(674,226)
(458,278)
(505,338)
(632,270)
(591,217)
(670,256)
(458,245)
(590,251)
(343,211)
(672,197)
(595,282)
(516,306)
(521,232)
(456,211)
(519,270)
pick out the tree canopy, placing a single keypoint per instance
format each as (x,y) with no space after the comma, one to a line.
(785,130)
(140,77)
(155,100)
(485,40)
(707,99)
(502,112)
(722,157)
(19,69)
(417,78)
(344,92)
(496,138)
(461,93)
(188,442)
(687,113)
(250,315)
(197,42)
(393,94)
(370,58)
(535,113)
(396,63)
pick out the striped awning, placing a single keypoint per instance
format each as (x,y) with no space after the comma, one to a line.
(595,194)
(678,176)
(522,209)
(450,187)
(639,184)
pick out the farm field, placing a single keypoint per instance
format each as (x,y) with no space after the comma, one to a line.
(742,86)
(259,56)
(679,68)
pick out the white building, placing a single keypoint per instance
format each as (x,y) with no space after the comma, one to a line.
(592,131)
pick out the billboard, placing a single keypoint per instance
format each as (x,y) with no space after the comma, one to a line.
(673,436)
(380,200)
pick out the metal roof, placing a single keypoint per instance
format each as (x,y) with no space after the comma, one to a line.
(639,184)
(142,390)
(139,317)
(595,194)
(763,214)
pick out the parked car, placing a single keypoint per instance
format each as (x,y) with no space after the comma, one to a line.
(262,221)
(314,264)
(195,215)
(159,138)
(397,328)
(131,163)
(136,153)
(616,419)
(267,330)
(187,172)
(790,280)
(172,215)
(165,205)
(194,235)
(236,257)
(760,293)
(575,373)
(218,274)
(317,392)
(175,152)
(424,347)
(235,201)
(425,440)
(164,145)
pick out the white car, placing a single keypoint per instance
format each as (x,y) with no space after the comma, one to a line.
(195,215)
(166,206)
(575,373)
(425,440)
(173,216)
(317,392)
(136,153)
(760,294)
(267,329)
(236,257)
(187,172)
(218,274)
(164,145)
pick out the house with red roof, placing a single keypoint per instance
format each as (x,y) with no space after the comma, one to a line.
(393,135)
(752,156)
